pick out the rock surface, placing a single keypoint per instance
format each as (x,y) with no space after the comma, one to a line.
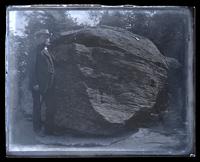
(104,77)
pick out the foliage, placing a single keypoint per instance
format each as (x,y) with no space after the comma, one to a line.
(53,20)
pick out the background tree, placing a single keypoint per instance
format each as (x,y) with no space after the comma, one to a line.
(95,16)
(112,18)
(53,20)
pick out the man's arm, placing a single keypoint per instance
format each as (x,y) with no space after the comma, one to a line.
(42,72)
(31,69)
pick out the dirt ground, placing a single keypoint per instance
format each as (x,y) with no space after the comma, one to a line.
(152,140)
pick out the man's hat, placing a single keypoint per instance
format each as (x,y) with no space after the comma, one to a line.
(41,32)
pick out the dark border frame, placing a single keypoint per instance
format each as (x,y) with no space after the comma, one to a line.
(3,155)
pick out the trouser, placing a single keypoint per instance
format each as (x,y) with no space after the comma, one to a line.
(50,102)
(37,121)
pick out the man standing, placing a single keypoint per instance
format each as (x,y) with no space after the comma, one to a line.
(42,81)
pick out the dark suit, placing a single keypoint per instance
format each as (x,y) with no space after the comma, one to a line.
(33,81)
(43,76)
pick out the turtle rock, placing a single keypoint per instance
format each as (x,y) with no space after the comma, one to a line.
(105,77)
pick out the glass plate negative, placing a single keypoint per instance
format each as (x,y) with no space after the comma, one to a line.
(92,80)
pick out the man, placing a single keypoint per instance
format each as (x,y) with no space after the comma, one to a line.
(42,82)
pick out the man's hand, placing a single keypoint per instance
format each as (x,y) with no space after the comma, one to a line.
(36,87)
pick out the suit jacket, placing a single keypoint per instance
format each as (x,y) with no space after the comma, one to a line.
(43,70)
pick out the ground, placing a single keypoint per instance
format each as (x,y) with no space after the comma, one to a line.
(152,140)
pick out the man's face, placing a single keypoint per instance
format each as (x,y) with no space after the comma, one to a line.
(43,38)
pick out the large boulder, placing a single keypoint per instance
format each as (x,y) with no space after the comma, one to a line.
(105,77)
